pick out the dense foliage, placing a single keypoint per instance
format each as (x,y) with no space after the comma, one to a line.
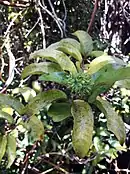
(56,114)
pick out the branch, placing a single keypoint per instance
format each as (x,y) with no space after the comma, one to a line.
(7,3)
(42,27)
(11,67)
(93,16)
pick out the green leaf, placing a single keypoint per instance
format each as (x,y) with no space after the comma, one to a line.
(106,73)
(86,42)
(123,83)
(102,62)
(11,148)
(59,111)
(36,128)
(5,99)
(6,116)
(114,121)
(56,56)
(26,92)
(83,127)
(71,41)
(40,68)
(96,53)
(58,77)
(42,100)
(3,143)
(68,46)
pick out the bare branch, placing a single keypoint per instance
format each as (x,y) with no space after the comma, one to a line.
(7,3)
(42,28)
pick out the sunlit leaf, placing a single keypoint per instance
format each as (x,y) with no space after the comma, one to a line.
(11,148)
(12,102)
(58,77)
(42,100)
(40,68)
(106,77)
(86,42)
(83,127)
(68,46)
(123,83)
(3,143)
(96,53)
(114,121)
(6,116)
(102,61)
(59,111)
(26,92)
(56,56)
(8,110)
(71,41)
(36,128)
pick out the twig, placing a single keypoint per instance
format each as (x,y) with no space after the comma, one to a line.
(93,16)
(42,27)
(48,171)
(9,27)
(11,67)
(32,28)
(7,3)
(65,14)
(56,166)
(58,21)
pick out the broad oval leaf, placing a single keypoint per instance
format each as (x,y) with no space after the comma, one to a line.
(40,68)
(42,100)
(59,111)
(11,148)
(106,73)
(86,43)
(71,41)
(101,62)
(36,128)
(12,102)
(56,56)
(58,77)
(3,143)
(6,116)
(67,47)
(114,121)
(83,127)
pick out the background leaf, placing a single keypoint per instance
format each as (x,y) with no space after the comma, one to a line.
(96,53)
(3,143)
(6,116)
(36,128)
(123,83)
(83,127)
(59,111)
(42,100)
(12,102)
(11,148)
(26,92)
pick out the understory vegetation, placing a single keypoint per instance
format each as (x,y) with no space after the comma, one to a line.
(64,87)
